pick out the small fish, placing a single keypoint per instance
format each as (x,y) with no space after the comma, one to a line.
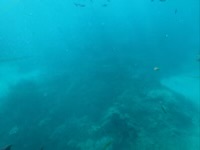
(79,5)
(42,148)
(104,5)
(198,58)
(156,68)
(8,147)
(107,145)
(163,109)
(175,11)
(196,77)
(160,0)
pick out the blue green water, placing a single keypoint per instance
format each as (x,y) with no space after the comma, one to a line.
(99,75)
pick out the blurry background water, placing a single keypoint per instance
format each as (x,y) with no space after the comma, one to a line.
(80,74)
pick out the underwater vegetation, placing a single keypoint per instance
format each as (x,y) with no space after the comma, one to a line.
(139,117)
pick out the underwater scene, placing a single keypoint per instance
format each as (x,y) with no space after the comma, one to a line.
(99,75)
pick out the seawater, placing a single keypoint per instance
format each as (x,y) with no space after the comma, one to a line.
(99,75)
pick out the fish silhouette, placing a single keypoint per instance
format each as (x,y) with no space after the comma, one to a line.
(79,5)
(8,147)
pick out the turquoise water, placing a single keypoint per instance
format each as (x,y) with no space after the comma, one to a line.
(99,75)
